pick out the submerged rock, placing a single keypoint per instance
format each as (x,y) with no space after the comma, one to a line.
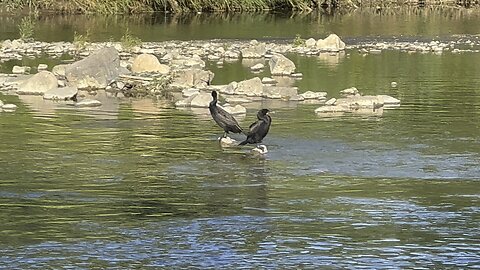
(88,103)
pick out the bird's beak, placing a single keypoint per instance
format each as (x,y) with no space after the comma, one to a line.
(271,112)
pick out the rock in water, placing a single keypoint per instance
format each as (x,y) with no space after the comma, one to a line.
(149,63)
(332,43)
(227,142)
(38,84)
(97,70)
(61,93)
(88,103)
(281,65)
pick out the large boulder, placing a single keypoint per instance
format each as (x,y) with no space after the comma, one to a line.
(61,93)
(281,65)
(38,84)
(252,87)
(149,63)
(97,70)
(332,43)
(188,78)
(254,50)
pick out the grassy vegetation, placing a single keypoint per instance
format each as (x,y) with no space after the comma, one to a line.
(80,41)
(138,6)
(26,28)
(129,41)
(298,41)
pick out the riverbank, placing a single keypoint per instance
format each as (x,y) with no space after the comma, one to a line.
(175,6)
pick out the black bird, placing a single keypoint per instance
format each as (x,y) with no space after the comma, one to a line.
(259,129)
(223,118)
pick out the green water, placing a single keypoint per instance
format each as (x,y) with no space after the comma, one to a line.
(140,184)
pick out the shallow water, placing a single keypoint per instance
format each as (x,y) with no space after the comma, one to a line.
(140,184)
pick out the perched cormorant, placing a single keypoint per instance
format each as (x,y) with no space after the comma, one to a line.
(259,129)
(223,118)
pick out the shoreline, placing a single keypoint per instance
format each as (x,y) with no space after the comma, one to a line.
(332,6)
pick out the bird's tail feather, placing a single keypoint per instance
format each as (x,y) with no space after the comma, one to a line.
(243,143)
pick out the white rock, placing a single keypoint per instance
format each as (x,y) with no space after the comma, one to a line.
(314,95)
(9,107)
(350,91)
(227,141)
(59,70)
(42,67)
(330,101)
(297,75)
(388,100)
(310,43)
(331,43)
(38,84)
(88,103)
(268,80)
(252,87)
(149,63)
(355,102)
(258,67)
(190,92)
(201,100)
(281,65)
(393,84)
(20,70)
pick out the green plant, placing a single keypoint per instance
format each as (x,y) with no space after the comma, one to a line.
(298,41)
(80,41)
(26,28)
(129,41)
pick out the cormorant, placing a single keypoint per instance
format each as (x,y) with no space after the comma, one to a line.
(259,129)
(223,118)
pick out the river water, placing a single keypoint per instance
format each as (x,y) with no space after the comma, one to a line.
(140,184)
